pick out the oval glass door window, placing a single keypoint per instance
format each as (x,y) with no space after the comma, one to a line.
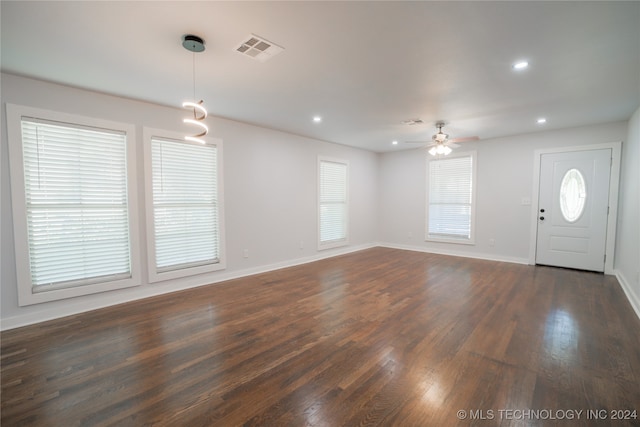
(573,194)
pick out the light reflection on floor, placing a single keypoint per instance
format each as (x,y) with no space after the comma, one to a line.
(561,335)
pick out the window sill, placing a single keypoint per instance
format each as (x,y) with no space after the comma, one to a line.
(155,277)
(333,244)
(27,296)
(455,241)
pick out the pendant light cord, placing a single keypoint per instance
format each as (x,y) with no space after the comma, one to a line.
(193,55)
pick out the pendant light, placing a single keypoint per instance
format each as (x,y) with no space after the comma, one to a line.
(195,44)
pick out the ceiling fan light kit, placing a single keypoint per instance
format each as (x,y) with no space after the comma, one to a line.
(441,144)
(440,149)
(440,136)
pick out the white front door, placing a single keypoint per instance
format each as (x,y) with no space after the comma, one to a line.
(573,205)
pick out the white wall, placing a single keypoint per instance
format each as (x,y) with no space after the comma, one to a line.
(270,194)
(504,177)
(627,258)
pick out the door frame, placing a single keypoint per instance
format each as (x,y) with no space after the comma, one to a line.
(614,185)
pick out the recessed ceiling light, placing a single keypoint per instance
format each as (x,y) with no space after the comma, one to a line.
(541,120)
(317,119)
(520,65)
(394,142)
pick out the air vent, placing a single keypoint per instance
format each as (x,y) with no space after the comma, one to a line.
(258,48)
(412,122)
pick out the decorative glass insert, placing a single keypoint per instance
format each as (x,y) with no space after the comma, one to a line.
(573,194)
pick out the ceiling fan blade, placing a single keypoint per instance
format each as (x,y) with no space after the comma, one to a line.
(452,144)
(466,139)
(416,142)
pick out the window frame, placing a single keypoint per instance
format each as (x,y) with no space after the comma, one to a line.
(336,242)
(26,295)
(154,274)
(474,168)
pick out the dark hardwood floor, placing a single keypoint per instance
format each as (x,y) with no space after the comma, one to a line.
(378,337)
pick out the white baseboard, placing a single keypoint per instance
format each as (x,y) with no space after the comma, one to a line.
(634,299)
(488,257)
(107,299)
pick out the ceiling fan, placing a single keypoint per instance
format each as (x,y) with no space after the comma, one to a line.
(441,144)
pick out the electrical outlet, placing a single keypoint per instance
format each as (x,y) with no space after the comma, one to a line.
(492,242)
(245,253)
(301,244)
(410,235)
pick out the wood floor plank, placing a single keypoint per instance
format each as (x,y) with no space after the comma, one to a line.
(381,337)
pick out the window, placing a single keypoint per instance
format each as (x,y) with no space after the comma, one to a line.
(451,198)
(183,205)
(73,215)
(333,203)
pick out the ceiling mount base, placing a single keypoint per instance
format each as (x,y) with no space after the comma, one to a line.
(193,43)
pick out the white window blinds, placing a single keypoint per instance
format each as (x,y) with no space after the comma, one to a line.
(76,204)
(185,204)
(450,198)
(333,201)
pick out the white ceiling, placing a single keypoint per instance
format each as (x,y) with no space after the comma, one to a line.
(363,66)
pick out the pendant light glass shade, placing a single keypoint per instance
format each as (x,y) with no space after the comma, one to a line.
(440,149)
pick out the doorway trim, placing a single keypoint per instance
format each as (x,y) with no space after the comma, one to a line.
(614,185)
